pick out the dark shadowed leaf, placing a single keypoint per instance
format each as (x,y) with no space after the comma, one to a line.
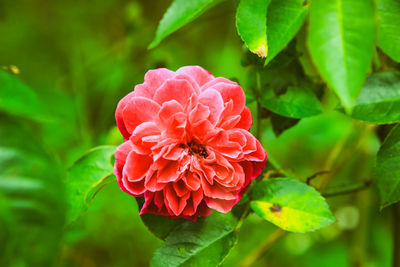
(158,225)
(341,42)
(291,205)
(389,27)
(387,171)
(86,177)
(178,14)
(202,243)
(379,101)
(251,24)
(282,123)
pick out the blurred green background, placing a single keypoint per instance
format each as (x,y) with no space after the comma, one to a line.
(81,57)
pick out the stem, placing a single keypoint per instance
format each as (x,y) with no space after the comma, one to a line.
(347,189)
(244,216)
(259,109)
(396,235)
(261,250)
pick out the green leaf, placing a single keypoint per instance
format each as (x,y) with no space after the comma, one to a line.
(160,226)
(251,24)
(379,101)
(389,27)
(18,99)
(86,177)
(341,42)
(283,22)
(387,171)
(202,243)
(178,14)
(295,103)
(291,205)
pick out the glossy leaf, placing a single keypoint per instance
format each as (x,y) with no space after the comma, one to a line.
(251,24)
(202,243)
(283,22)
(18,99)
(387,169)
(379,101)
(295,103)
(178,14)
(88,175)
(291,205)
(389,27)
(341,42)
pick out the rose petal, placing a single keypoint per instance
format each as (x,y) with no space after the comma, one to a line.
(139,110)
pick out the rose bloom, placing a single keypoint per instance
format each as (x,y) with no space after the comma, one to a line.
(187,147)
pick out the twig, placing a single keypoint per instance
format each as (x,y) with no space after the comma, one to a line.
(261,250)
(315,175)
(347,189)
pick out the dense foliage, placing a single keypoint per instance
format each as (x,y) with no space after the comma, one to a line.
(322,79)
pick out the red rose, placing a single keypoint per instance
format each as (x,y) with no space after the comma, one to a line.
(187,147)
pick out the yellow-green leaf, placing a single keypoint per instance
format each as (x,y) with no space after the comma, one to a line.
(291,205)
(251,24)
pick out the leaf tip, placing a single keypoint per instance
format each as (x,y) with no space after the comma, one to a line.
(261,51)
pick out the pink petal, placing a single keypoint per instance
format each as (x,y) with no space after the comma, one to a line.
(213,100)
(169,172)
(153,79)
(139,110)
(120,157)
(217,190)
(200,75)
(179,90)
(134,188)
(246,119)
(232,92)
(180,188)
(141,131)
(192,181)
(137,166)
(119,115)
(220,205)
(175,203)
(199,113)
(215,81)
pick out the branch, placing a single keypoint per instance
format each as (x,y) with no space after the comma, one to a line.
(347,189)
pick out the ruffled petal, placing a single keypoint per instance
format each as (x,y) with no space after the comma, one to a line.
(179,90)
(200,75)
(153,79)
(139,110)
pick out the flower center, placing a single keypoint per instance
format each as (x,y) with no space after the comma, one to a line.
(195,148)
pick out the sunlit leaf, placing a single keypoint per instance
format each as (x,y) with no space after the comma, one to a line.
(251,24)
(291,205)
(379,101)
(178,14)
(295,103)
(341,42)
(389,27)
(202,243)
(387,171)
(86,177)
(18,99)
(283,22)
